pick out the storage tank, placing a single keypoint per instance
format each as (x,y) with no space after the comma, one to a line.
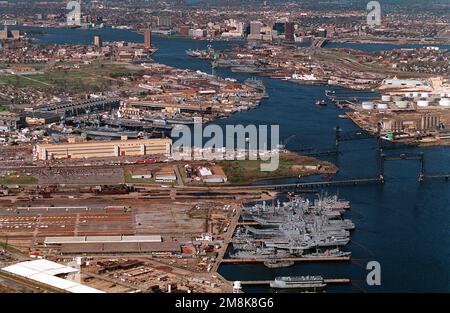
(386,98)
(367,105)
(445,102)
(397,98)
(408,95)
(423,103)
(415,94)
(425,95)
(382,106)
(401,104)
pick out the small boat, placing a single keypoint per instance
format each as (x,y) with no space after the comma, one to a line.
(320,102)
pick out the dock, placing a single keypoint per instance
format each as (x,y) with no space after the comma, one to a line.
(330,281)
(294,259)
(227,239)
(249,223)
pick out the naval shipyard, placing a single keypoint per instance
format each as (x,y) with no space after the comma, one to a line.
(291,231)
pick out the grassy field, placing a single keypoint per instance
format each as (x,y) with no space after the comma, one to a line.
(290,165)
(88,78)
(17,180)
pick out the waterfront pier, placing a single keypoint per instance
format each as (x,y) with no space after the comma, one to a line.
(267,282)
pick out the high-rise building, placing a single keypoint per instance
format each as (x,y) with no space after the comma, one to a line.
(331,30)
(183,30)
(4,34)
(289,31)
(321,32)
(147,38)
(164,21)
(255,30)
(279,27)
(98,41)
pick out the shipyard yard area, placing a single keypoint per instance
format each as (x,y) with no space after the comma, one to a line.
(164,244)
(161,260)
(138,224)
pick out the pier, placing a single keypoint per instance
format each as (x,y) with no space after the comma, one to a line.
(227,239)
(294,259)
(438,176)
(321,184)
(319,42)
(267,282)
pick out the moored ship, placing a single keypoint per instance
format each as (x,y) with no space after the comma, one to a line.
(278,264)
(309,282)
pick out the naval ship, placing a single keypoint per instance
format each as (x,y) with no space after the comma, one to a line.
(310,282)
(297,228)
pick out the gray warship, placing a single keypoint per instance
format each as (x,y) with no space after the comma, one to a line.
(297,228)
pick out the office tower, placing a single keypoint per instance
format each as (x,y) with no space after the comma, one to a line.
(97,41)
(147,38)
(289,31)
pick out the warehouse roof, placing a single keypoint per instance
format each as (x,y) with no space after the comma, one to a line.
(102,239)
(123,247)
(44,271)
(39,266)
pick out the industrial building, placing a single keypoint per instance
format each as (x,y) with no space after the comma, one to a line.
(205,173)
(113,244)
(120,248)
(67,109)
(41,118)
(9,121)
(103,239)
(48,273)
(165,174)
(9,34)
(102,149)
(410,122)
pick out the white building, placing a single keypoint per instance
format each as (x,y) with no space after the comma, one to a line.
(49,273)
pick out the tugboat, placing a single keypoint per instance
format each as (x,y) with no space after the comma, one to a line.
(321,103)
